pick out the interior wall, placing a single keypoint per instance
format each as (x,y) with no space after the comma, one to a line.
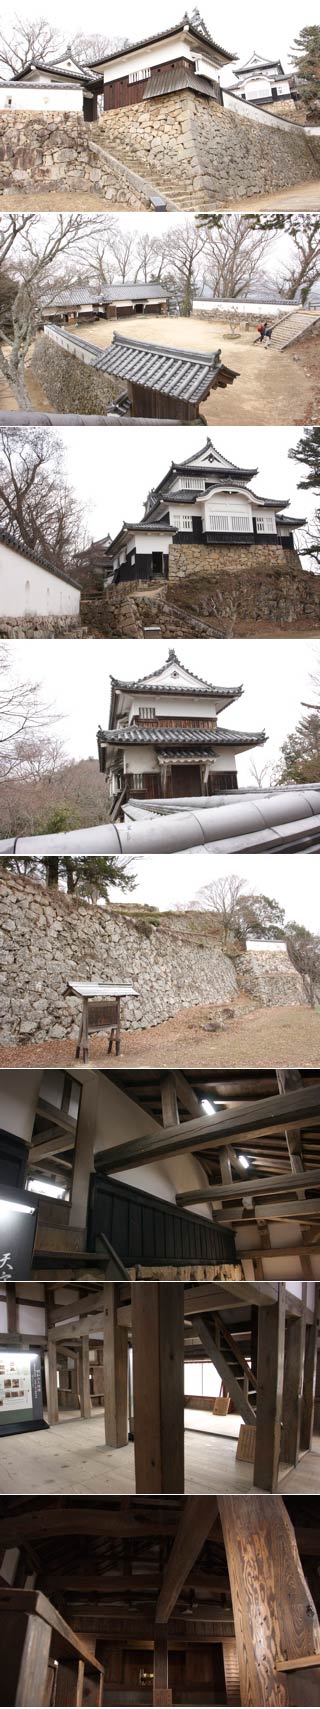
(19,1092)
(120,1119)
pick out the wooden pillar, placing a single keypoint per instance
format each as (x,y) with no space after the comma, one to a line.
(84,1378)
(271,1342)
(69,1686)
(231,1671)
(274,1615)
(309,1381)
(51,1382)
(84,1153)
(169,1102)
(12,1309)
(161,1693)
(158,1386)
(25,1650)
(115,1371)
(293,1384)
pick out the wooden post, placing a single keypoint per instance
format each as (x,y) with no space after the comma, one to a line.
(271,1342)
(169,1101)
(309,1380)
(161,1693)
(158,1386)
(50,1362)
(12,1309)
(231,1671)
(69,1687)
(274,1615)
(25,1653)
(293,1383)
(115,1371)
(84,1153)
(84,1378)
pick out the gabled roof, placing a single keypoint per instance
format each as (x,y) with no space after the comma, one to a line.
(196,685)
(57,68)
(36,558)
(257,63)
(197,30)
(183,374)
(202,469)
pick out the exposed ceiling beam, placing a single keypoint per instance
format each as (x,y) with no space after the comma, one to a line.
(267,1117)
(197,1517)
(243,1190)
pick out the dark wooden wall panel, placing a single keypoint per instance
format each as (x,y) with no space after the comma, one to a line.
(146,1230)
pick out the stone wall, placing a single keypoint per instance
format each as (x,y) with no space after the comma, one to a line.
(38,628)
(269,977)
(203,155)
(38,151)
(47,938)
(209,592)
(71,385)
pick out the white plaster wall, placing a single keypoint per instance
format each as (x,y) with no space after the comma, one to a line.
(173,704)
(258,115)
(19,1092)
(120,1119)
(150,542)
(159,53)
(26,588)
(29,98)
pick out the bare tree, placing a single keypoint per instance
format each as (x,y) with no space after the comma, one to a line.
(34,249)
(150,257)
(122,245)
(302,269)
(233,254)
(87,49)
(25,719)
(37,507)
(27,39)
(304,952)
(185,244)
(239,911)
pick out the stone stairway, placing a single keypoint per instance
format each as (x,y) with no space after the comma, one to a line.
(293,326)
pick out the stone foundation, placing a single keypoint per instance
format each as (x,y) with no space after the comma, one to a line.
(197,153)
(70,384)
(238,592)
(204,155)
(48,938)
(249,561)
(41,628)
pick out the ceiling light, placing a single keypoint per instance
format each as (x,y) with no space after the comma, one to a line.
(49,1188)
(208,1107)
(7,1205)
(244,1160)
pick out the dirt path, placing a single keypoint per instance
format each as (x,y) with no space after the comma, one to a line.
(54,201)
(298,197)
(267,390)
(283,1036)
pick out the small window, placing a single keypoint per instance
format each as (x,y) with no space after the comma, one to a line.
(147,712)
(183,523)
(219,522)
(241,524)
(139,76)
(260,524)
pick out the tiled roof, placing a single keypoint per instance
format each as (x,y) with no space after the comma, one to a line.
(177,373)
(143,735)
(35,558)
(87,293)
(201,35)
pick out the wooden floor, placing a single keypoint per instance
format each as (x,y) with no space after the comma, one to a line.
(73,1459)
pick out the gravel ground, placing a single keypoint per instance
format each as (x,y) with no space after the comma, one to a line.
(283,1037)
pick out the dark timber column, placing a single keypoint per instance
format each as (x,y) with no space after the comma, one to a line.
(51,1382)
(293,1383)
(274,1615)
(161,1693)
(158,1386)
(271,1342)
(84,1378)
(309,1381)
(115,1371)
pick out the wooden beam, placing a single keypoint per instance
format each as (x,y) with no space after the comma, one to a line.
(230,1382)
(115,1371)
(84,1378)
(169,1102)
(274,1614)
(242,1190)
(248,1121)
(289,1079)
(271,1343)
(158,1386)
(235,1349)
(52,1521)
(161,1693)
(293,1384)
(309,1379)
(84,1152)
(198,1516)
(187,1097)
(50,1361)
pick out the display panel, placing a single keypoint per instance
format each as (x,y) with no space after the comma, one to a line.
(18,1221)
(21,1405)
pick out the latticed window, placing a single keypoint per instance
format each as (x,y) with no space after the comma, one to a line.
(241,524)
(139,76)
(147,712)
(182,523)
(259,521)
(220,522)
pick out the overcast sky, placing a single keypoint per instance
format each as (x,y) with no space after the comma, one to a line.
(238,29)
(113,471)
(174,880)
(75,677)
